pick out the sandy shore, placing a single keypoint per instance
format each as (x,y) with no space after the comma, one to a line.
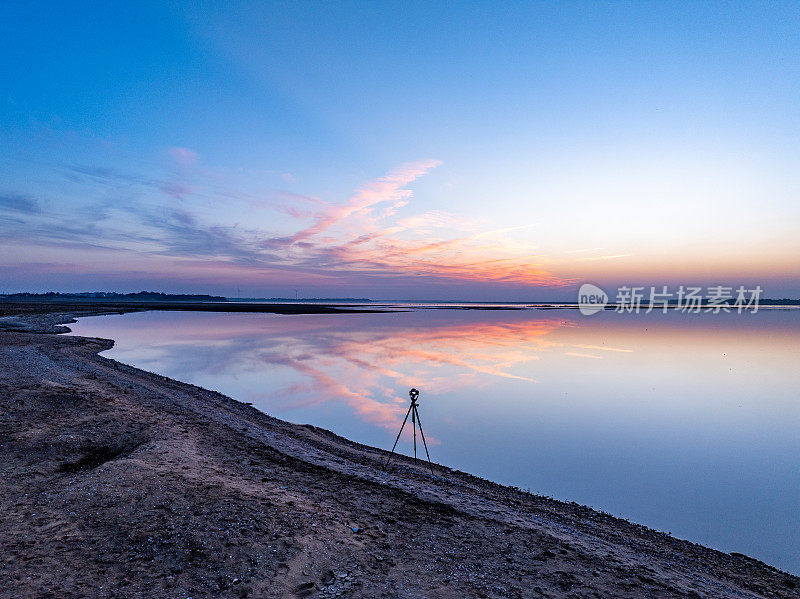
(121,483)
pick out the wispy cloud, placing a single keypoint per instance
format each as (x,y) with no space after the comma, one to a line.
(19,203)
(175,189)
(584,250)
(390,188)
(372,236)
(365,235)
(604,348)
(105,176)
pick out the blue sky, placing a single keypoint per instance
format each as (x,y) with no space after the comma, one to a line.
(431,150)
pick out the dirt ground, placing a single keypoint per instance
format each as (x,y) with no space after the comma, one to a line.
(121,483)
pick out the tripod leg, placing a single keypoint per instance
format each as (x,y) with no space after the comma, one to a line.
(423,442)
(398,437)
(414,428)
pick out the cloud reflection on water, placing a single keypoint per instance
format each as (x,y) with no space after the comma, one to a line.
(368,367)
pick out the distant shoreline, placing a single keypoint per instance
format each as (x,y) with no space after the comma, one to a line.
(98,305)
(19,308)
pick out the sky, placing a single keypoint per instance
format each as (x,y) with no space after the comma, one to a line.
(488,151)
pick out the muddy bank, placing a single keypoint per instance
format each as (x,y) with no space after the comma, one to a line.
(121,483)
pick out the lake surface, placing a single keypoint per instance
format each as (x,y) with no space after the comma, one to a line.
(688,423)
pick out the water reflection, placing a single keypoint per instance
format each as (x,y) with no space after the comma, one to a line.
(683,422)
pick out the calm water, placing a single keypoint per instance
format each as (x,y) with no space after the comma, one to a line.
(686,423)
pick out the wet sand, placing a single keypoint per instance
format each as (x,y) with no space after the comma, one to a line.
(122,483)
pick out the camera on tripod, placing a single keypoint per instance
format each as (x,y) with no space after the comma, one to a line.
(415,421)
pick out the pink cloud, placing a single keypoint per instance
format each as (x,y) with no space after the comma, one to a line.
(387,188)
(366,235)
(175,189)
(372,238)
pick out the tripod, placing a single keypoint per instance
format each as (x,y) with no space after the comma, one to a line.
(415,421)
